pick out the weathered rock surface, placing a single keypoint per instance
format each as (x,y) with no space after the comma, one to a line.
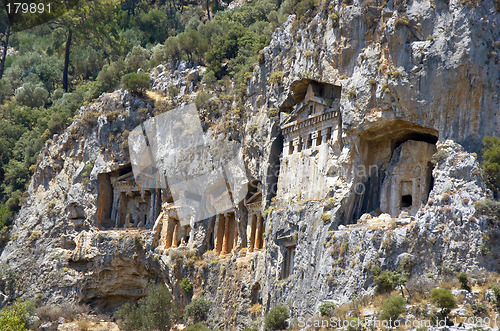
(419,71)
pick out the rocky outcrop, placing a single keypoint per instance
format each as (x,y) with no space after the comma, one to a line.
(415,77)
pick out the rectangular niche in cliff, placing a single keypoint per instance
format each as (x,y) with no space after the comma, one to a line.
(123,203)
(288,261)
(398,155)
(311,135)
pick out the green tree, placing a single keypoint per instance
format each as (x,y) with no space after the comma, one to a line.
(137,58)
(153,23)
(277,317)
(136,82)
(32,95)
(197,309)
(444,299)
(155,311)
(392,308)
(87,20)
(390,280)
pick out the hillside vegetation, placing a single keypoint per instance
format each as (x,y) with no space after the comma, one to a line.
(53,69)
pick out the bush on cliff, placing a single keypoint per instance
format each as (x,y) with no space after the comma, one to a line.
(392,308)
(197,327)
(444,299)
(136,82)
(491,162)
(276,318)
(198,309)
(16,316)
(155,311)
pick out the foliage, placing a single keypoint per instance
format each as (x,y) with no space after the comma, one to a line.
(443,298)
(496,293)
(155,311)
(136,82)
(197,327)
(40,92)
(440,156)
(392,308)
(325,218)
(136,59)
(7,280)
(326,308)
(16,316)
(355,324)
(186,286)
(198,309)
(276,318)
(387,280)
(201,99)
(491,162)
(488,207)
(464,281)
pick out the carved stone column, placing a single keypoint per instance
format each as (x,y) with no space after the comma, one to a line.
(324,136)
(225,241)
(251,242)
(175,234)
(296,145)
(170,232)
(220,233)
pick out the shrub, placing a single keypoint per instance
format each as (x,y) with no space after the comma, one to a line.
(186,286)
(51,313)
(464,281)
(443,298)
(392,308)
(479,308)
(32,95)
(173,91)
(491,162)
(138,243)
(197,327)
(110,74)
(440,156)
(326,308)
(325,218)
(154,311)
(137,58)
(276,77)
(488,207)
(389,280)
(209,78)
(276,318)
(16,316)
(496,293)
(136,82)
(198,309)
(355,324)
(201,99)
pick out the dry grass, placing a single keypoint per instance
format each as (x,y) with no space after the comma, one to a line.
(50,313)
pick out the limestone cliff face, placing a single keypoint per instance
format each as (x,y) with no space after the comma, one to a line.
(414,78)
